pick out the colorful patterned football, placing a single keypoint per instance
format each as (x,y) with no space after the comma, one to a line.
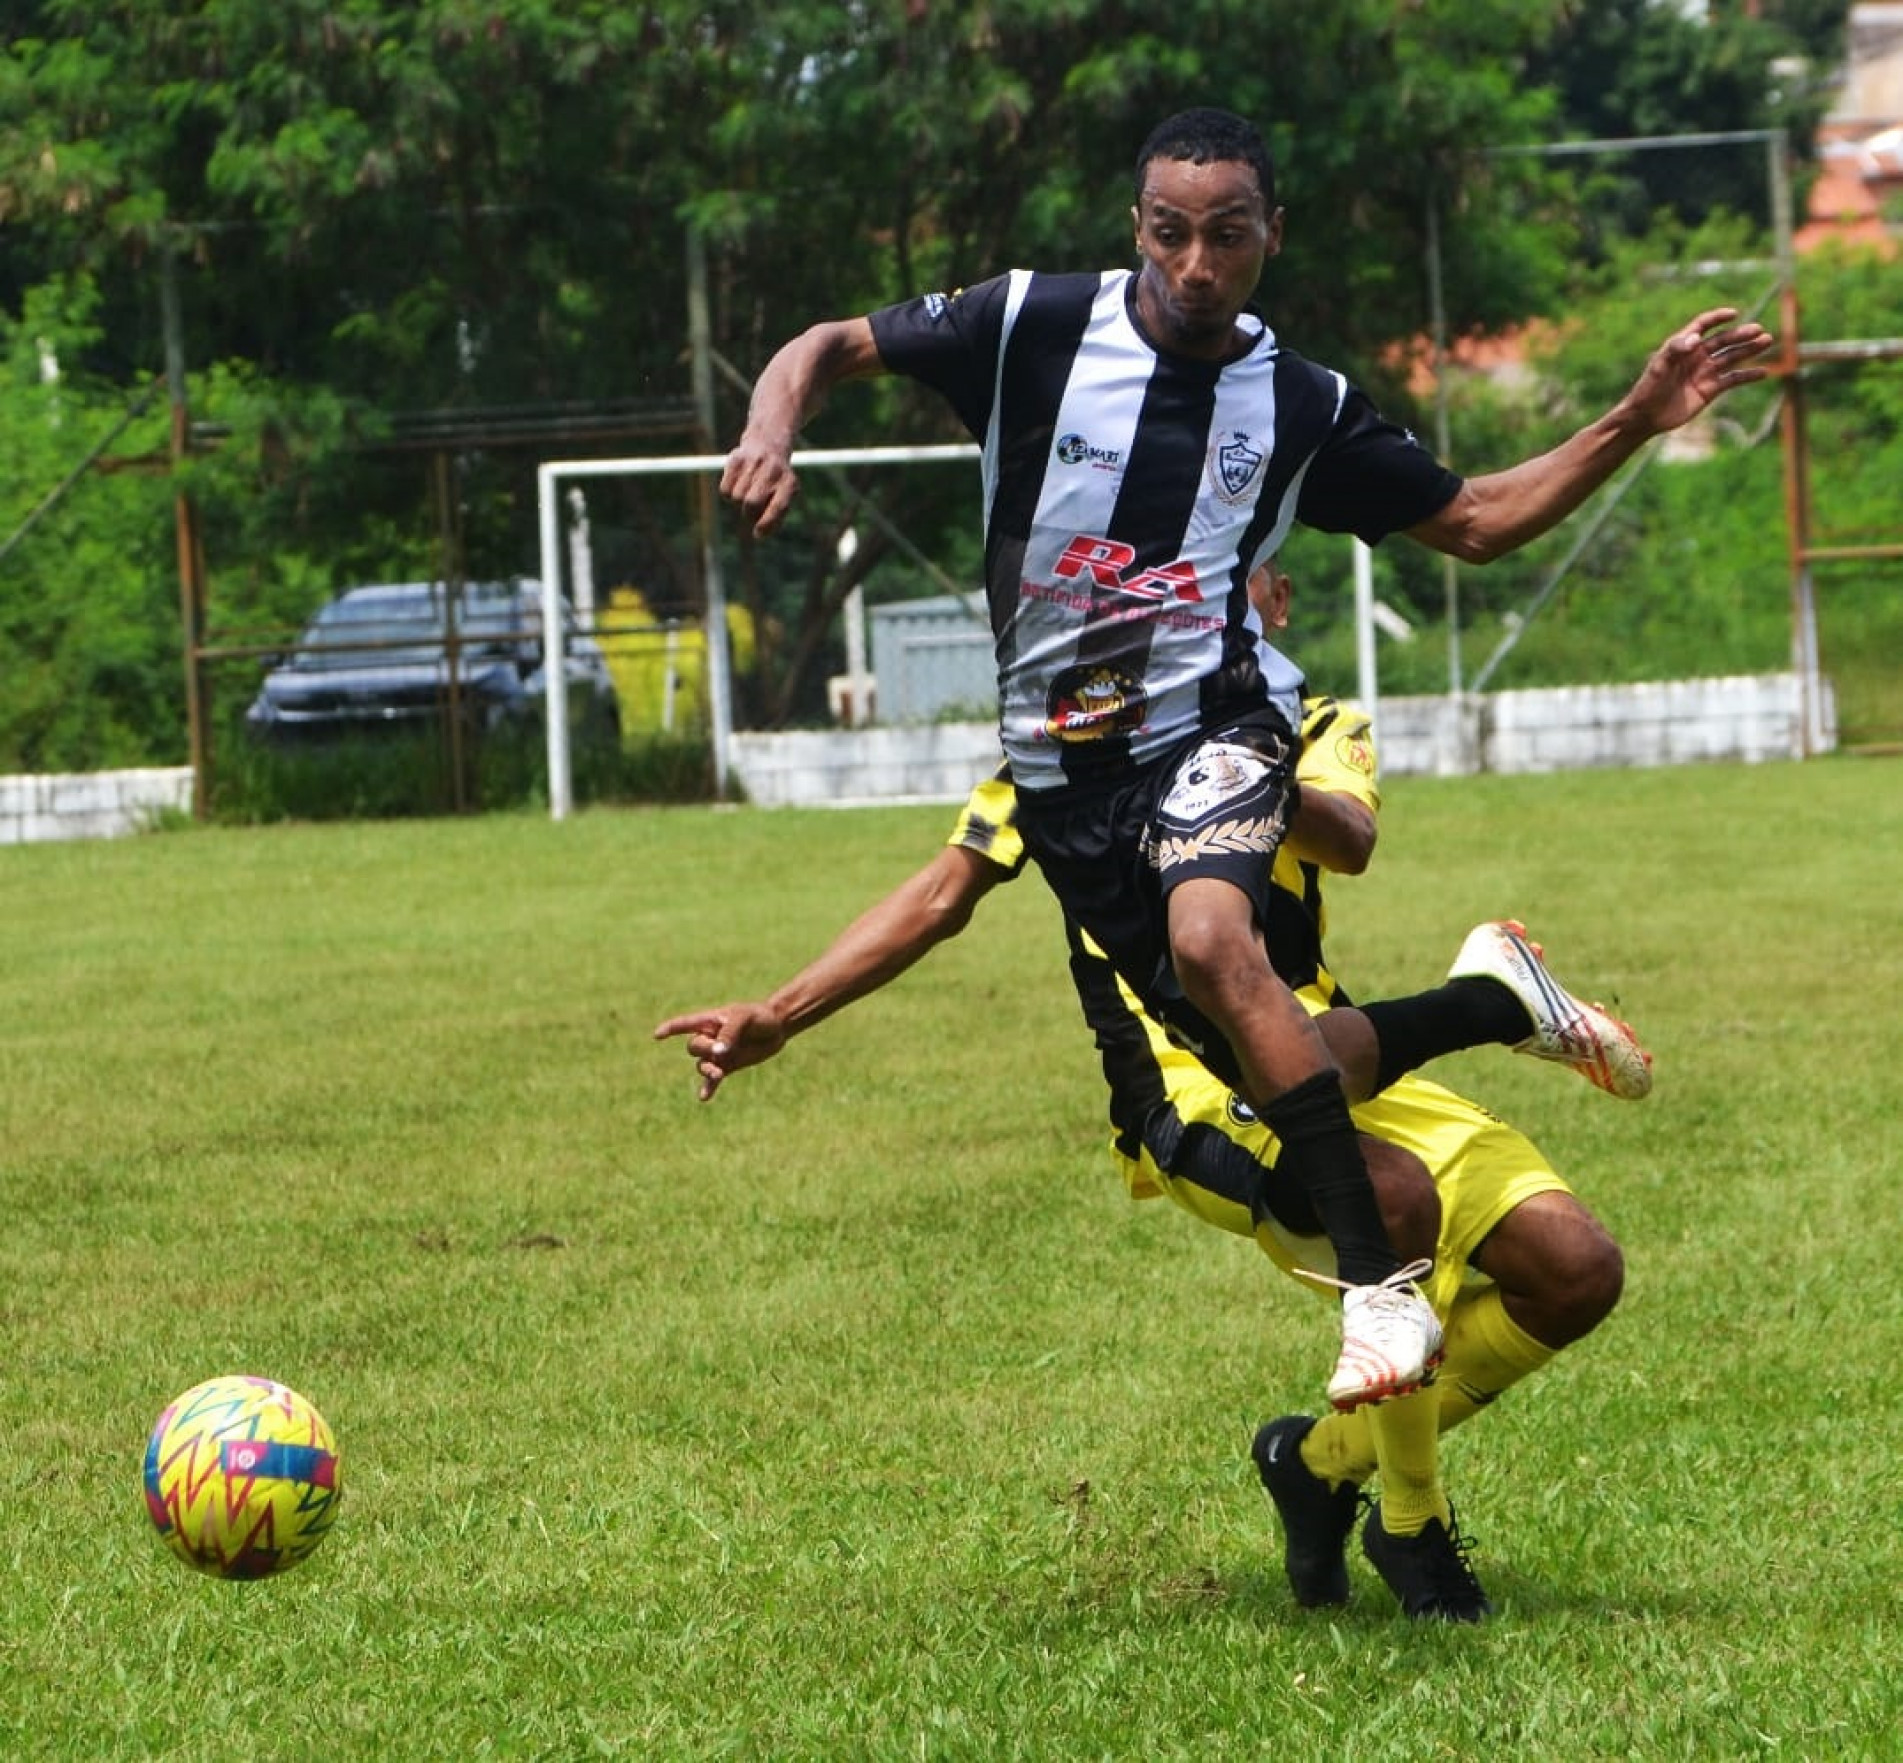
(241,1477)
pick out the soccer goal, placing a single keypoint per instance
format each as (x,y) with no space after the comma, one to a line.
(550,477)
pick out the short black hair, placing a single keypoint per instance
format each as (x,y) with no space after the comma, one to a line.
(1209,137)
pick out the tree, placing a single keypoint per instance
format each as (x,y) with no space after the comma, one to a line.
(89,651)
(1625,69)
(875,156)
(480,205)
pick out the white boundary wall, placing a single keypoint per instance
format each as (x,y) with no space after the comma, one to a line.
(90,804)
(1748,718)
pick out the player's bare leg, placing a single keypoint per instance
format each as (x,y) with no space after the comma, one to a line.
(1390,1337)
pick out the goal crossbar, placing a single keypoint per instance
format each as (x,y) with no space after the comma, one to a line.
(552,473)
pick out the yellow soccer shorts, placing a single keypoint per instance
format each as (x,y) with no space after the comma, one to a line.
(1481,1167)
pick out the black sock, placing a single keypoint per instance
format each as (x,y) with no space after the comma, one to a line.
(1321,1154)
(1469,1012)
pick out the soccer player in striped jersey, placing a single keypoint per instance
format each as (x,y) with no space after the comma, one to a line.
(1521,1269)
(1147,441)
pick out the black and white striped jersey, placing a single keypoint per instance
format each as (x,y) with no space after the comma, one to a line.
(1128,494)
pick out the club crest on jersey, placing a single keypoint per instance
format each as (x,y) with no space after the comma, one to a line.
(1087,702)
(1354,750)
(1238,459)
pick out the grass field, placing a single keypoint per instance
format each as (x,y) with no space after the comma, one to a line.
(859,1414)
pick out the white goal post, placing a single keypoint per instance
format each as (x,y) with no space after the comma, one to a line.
(551,474)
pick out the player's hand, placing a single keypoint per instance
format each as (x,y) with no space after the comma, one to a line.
(1697,364)
(760,478)
(726,1040)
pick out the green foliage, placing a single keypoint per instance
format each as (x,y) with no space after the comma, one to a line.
(1633,68)
(816,1424)
(418,773)
(1689,574)
(466,214)
(89,611)
(1853,293)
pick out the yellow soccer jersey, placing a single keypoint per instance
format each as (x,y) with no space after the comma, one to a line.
(1338,758)
(988,824)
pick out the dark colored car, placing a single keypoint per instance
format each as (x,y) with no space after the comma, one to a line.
(378,658)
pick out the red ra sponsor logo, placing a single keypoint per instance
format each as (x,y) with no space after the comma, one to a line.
(1105,561)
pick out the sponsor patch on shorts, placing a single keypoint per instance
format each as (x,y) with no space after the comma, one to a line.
(1215,774)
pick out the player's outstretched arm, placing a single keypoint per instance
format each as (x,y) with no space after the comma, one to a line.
(759,473)
(726,1039)
(1499,511)
(923,911)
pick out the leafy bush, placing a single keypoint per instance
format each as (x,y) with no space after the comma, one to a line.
(414,772)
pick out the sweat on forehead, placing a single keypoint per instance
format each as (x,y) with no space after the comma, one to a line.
(1206,137)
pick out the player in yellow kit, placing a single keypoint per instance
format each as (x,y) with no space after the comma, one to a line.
(1521,1268)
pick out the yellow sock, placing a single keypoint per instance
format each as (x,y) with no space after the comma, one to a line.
(1398,1439)
(1487,1352)
(1406,1447)
(1340,1447)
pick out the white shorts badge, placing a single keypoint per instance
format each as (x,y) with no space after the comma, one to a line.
(1214,774)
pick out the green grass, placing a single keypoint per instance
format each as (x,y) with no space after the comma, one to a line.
(859,1414)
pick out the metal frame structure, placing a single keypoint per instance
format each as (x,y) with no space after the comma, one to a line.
(549,478)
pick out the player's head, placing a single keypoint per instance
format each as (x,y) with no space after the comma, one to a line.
(1209,137)
(1269,589)
(1205,224)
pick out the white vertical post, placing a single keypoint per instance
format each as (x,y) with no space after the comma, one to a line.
(560,782)
(1364,626)
(853,610)
(719,660)
(581,559)
(701,372)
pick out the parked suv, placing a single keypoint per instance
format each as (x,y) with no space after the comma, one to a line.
(378,658)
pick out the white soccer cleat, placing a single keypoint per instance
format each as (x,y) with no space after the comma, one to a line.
(1598,1046)
(1390,1337)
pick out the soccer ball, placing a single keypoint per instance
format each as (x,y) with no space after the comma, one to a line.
(241,1477)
